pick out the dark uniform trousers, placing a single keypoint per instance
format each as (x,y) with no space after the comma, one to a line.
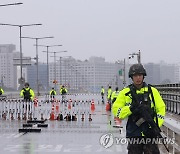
(150,148)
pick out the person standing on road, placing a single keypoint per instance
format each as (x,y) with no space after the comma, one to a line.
(145,109)
(1,91)
(109,93)
(52,93)
(114,95)
(63,92)
(102,93)
(27,93)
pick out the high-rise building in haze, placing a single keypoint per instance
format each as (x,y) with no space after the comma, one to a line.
(162,73)
(8,72)
(85,76)
(77,75)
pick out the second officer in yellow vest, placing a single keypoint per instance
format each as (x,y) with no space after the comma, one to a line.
(114,95)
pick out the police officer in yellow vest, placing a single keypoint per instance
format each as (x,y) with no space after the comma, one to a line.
(1,91)
(27,93)
(114,95)
(52,93)
(102,93)
(63,90)
(135,101)
(109,93)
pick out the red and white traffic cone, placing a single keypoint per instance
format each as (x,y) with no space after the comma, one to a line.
(92,105)
(36,102)
(108,106)
(52,115)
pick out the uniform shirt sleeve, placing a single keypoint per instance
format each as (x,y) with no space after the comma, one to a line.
(32,94)
(21,93)
(120,108)
(159,106)
(2,91)
(112,96)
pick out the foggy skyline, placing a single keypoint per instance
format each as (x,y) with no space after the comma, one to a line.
(112,29)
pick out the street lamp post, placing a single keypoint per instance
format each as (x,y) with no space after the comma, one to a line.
(11,4)
(138,54)
(124,75)
(37,58)
(47,51)
(20,36)
(123,70)
(55,64)
(60,75)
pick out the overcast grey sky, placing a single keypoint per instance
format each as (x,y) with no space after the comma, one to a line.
(109,28)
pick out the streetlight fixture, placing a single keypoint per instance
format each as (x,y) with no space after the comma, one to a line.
(136,54)
(123,71)
(11,4)
(21,80)
(37,58)
(47,51)
(55,65)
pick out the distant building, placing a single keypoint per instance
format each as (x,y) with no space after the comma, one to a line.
(153,73)
(8,72)
(85,76)
(42,75)
(78,76)
(169,73)
(162,73)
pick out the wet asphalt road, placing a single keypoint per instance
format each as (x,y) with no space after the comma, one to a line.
(96,136)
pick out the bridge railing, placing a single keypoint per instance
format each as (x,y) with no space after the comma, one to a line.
(171,96)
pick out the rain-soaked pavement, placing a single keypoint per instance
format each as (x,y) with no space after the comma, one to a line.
(101,135)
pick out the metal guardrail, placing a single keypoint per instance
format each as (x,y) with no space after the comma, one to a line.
(171,96)
(172,132)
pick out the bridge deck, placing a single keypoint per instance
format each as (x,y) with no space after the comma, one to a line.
(63,136)
(67,136)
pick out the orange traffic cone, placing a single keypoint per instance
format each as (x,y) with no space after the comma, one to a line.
(92,105)
(35,102)
(108,106)
(52,115)
(57,106)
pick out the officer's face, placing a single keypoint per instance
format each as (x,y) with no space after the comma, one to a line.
(138,79)
(26,86)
